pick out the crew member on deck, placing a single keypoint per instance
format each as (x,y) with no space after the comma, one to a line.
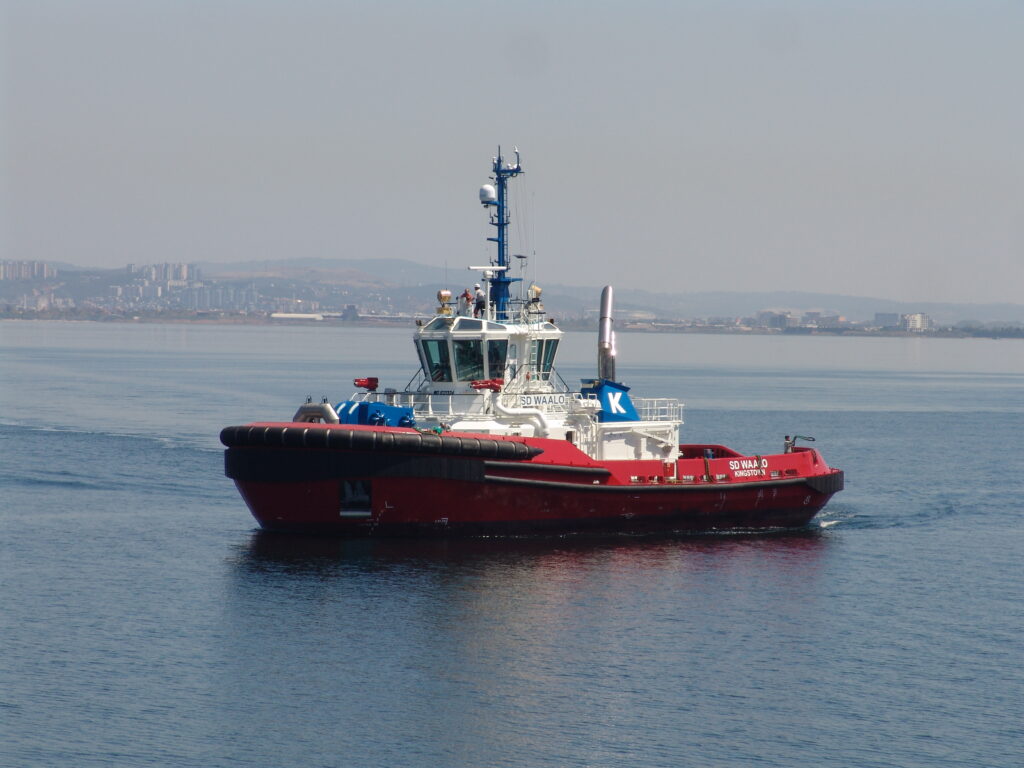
(481,301)
(465,302)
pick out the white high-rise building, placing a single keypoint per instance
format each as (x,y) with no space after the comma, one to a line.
(916,321)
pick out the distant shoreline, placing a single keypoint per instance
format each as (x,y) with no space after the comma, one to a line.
(567,325)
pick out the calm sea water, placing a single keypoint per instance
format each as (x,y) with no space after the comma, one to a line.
(145,622)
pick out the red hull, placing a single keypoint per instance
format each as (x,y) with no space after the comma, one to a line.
(372,481)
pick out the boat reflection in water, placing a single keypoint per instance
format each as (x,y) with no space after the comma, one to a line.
(543,647)
(277,554)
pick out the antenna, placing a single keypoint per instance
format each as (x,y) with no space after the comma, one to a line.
(522,270)
(500,282)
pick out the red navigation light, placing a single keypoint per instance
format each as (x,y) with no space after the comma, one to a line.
(494,385)
(369,383)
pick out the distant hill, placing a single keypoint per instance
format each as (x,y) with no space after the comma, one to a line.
(392,272)
(401,274)
(856,308)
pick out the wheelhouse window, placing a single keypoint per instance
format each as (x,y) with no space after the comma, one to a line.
(437,362)
(469,360)
(497,354)
(544,357)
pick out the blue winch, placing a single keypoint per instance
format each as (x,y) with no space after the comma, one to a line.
(374,414)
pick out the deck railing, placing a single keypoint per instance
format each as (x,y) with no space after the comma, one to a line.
(447,405)
(658,408)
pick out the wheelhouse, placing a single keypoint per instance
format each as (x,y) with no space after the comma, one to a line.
(456,351)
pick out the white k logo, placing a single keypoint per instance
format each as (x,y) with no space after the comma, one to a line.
(613,403)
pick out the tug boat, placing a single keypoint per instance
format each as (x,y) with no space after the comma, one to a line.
(488,439)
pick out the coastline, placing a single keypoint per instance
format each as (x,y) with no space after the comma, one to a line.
(406,321)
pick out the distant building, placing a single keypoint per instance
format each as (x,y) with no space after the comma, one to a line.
(26,270)
(769,319)
(916,322)
(819,319)
(636,316)
(832,321)
(296,316)
(888,320)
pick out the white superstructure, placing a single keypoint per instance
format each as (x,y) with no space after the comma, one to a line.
(487,366)
(482,376)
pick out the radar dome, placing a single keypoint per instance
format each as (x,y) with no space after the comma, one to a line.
(488,194)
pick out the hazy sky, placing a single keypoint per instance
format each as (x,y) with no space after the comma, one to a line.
(870,148)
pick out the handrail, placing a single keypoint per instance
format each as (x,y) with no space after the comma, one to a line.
(651,409)
(552,374)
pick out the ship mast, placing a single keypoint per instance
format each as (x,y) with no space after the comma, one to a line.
(500,281)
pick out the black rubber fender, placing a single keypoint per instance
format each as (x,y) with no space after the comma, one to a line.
(335,438)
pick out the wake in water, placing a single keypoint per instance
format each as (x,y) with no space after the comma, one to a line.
(924,510)
(83,461)
(205,441)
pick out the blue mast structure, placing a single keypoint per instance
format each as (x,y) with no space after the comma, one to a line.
(500,282)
